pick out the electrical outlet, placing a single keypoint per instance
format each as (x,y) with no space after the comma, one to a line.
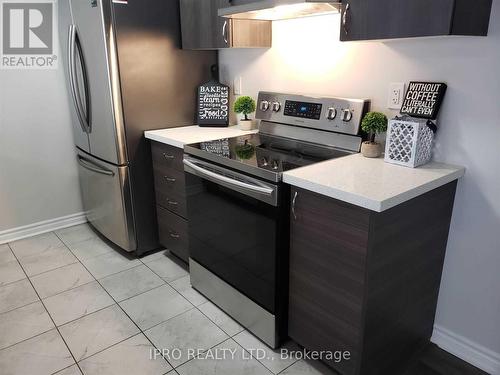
(237,85)
(396,95)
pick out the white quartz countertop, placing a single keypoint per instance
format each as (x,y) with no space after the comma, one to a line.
(364,182)
(371,183)
(179,137)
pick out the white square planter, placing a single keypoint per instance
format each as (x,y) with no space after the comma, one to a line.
(409,142)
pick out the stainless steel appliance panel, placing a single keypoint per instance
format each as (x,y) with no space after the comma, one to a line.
(234,235)
(256,319)
(331,114)
(274,10)
(252,187)
(158,87)
(93,36)
(107,199)
(80,135)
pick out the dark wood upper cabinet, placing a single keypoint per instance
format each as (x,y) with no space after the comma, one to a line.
(366,282)
(240,2)
(202,28)
(390,19)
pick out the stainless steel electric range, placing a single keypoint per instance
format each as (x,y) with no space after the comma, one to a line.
(238,207)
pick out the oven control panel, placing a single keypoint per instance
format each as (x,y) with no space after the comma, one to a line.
(303,109)
(324,113)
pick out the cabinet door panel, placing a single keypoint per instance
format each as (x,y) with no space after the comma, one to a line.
(328,249)
(173,233)
(202,28)
(386,19)
(250,33)
(221,31)
(240,2)
(169,180)
(167,156)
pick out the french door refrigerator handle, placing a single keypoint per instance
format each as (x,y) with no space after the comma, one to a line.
(94,168)
(75,48)
(202,172)
(86,89)
(72,77)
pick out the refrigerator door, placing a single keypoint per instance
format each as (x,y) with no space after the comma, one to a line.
(158,84)
(96,79)
(107,200)
(72,62)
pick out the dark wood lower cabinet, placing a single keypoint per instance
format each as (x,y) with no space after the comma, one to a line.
(367,282)
(173,231)
(170,191)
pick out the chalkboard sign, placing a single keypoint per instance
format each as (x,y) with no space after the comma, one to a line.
(423,99)
(213,102)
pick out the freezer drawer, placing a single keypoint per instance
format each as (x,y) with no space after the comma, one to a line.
(107,200)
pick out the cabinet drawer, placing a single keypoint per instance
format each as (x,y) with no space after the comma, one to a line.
(169,181)
(173,233)
(172,202)
(167,156)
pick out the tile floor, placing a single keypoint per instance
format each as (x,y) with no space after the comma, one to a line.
(72,304)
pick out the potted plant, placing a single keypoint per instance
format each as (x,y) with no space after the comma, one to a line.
(373,123)
(245,105)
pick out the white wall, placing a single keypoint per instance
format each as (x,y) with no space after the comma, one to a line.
(307,57)
(38,172)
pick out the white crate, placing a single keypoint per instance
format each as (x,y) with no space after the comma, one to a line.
(409,142)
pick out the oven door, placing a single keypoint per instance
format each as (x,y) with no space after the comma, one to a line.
(234,227)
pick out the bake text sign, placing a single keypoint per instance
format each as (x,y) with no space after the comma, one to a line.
(213,105)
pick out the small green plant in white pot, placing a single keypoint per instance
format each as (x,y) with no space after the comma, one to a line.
(373,123)
(245,105)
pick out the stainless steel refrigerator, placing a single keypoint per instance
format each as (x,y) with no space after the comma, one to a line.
(126,73)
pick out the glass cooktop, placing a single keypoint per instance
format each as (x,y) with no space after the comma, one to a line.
(262,155)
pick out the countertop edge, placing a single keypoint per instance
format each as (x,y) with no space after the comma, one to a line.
(422,189)
(164,140)
(369,203)
(334,193)
(180,140)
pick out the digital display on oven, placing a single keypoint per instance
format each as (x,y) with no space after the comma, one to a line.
(303,109)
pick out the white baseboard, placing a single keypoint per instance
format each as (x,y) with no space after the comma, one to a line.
(19,233)
(463,348)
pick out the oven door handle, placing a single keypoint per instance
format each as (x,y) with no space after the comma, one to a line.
(202,172)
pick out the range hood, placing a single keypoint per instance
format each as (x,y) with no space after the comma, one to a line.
(273,10)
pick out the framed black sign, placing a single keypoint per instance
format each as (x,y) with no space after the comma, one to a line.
(213,102)
(423,99)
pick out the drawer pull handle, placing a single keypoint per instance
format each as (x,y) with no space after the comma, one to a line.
(168,157)
(169,179)
(224,32)
(345,20)
(294,201)
(174,235)
(173,203)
